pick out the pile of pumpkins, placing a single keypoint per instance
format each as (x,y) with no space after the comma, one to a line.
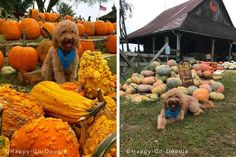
(149,85)
(229,65)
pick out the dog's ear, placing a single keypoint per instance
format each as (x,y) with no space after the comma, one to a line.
(55,41)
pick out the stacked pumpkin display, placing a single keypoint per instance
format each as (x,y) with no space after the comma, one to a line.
(155,82)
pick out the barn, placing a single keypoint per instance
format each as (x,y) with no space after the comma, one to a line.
(200,29)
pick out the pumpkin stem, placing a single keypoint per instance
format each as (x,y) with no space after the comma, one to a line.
(82,139)
(48,33)
(89,18)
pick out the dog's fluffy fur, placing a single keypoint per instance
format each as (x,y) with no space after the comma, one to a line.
(175,98)
(65,37)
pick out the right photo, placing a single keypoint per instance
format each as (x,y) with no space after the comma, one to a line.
(177,78)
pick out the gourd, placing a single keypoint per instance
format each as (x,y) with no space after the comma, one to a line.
(30,28)
(207,74)
(18,109)
(201,94)
(206,86)
(191,89)
(111,44)
(46,134)
(159,89)
(61,103)
(171,62)
(147,73)
(4,146)
(11,30)
(1,60)
(23,59)
(137,78)
(149,80)
(137,98)
(94,73)
(154,64)
(173,82)
(218,87)
(163,70)
(144,88)
(157,83)
(216,96)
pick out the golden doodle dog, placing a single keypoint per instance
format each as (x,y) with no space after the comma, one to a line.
(177,105)
(62,60)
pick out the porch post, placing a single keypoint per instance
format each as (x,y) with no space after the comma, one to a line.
(178,45)
(212,49)
(153,45)
(230,50)
(138,47)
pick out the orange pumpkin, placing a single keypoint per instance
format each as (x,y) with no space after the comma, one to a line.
(110,28)
(114,26)
(30,28)
(11,30)
(87,44)
(100,28)
(43,48)
(89,28)
(49,136)
(50,27)
(23,58)
(34,13)
(1,22)
(1,60)
(51,17)
(81,29)
(201,94)
(41,16)
(111,44)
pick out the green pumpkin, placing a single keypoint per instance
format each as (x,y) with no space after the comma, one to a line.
(191,89)
(173,83)
(163,70)
(154,64)
(217,96)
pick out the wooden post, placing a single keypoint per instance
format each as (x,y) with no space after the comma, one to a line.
(212,49)
(230,50)
(178,45)
(167,41)
(153,45)
(138,47)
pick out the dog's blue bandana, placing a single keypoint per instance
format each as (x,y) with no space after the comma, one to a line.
(171,114)
(67,59)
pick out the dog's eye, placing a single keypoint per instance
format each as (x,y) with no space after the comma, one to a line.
(63,32)
(72,32)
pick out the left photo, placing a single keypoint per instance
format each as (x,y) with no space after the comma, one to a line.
(58,78)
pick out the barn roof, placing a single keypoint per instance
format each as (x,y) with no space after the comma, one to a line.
(181,17)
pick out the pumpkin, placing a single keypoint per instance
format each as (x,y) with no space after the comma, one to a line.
(68,17)
(149,80)
(4,146)
(114,26)
(199,73)
(89,28)
(175,69)
(41,16)
(201,94)
(18,109)
(11,30)
(86,44)
(204,67)
(152,97)
(110,28)
(56,136)
(111,44)
(1,60)
(162,78)
(137,98)
(217,77)
(206,86)
(157,83)
(30,28)
(173,74)
(191,89)
(217,96)
(154,64)
(182,89)
(143,88)
(137,78)
(23,58)
(147,73)
(196,67)
(207,74)
(192,61)
(50,27)
(81,29)
(94,73)
(43,48)
(171,62)
(51,17)
(197,82)
(159,89)
(34,13)
(163,70)
(173,82)
(100,28)
(122,93)
(218,87)
(1,22)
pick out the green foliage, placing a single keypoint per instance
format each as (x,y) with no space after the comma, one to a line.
(90,2)
(65,9)
(19,6)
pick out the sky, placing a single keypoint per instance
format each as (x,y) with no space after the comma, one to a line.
(145,11)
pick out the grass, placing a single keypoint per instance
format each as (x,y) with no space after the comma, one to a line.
(211,134)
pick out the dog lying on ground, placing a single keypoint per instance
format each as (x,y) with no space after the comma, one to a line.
(62,60)
(176,105)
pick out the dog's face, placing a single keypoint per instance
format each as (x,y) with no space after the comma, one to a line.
(174,99)
(66,35)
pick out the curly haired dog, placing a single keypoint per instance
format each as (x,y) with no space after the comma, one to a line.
(62,60)
(176,105)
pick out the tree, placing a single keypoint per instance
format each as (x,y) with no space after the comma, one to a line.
(16,6)
(65,9)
